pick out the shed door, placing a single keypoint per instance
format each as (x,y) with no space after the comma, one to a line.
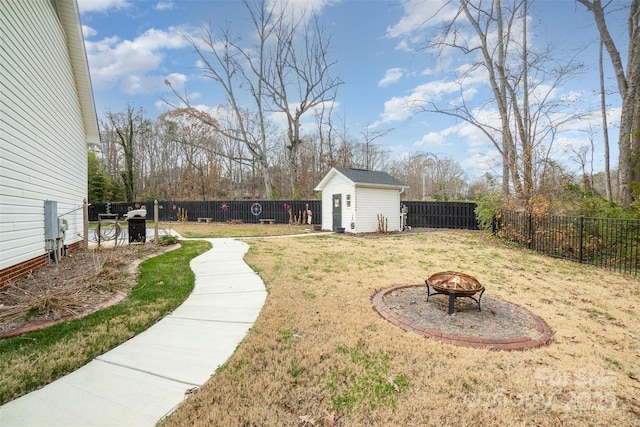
(337,211)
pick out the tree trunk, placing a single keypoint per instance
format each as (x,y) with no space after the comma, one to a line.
(126,130)
(605,128)
(628,143)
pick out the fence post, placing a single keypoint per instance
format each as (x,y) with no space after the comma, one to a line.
(530,231)
(155,221)
(580,229)
(85,224)
(494,224)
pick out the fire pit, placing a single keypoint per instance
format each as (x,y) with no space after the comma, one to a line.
(455,285)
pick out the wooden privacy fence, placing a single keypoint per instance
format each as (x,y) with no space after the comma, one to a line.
(604,242)
(247,211)
(458,215)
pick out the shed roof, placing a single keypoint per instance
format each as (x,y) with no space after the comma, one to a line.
(363,177)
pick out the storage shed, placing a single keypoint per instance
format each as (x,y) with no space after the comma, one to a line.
(47,120)
(355,200)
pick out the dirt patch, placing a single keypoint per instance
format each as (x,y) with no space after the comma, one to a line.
(80,284)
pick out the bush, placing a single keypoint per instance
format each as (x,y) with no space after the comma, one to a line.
(590,204)
(167,240)
(487,209)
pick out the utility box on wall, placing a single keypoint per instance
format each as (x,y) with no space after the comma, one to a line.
(54,231)
(51,226)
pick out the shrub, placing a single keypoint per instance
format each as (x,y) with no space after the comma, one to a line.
(167,240)
(487,209)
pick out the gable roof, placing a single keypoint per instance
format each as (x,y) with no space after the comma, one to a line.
(363,178)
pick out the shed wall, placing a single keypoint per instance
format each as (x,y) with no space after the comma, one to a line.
(43,151)
(337,185)
(373,201)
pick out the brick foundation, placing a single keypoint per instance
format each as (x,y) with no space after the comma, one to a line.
(23,268)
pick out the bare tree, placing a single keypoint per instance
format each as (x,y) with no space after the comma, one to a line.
(522,82)
(367,156)
(297,76)
(222,62)
(415,172)
(129,126)
(448,180)
(326,136)
(580,155)
(370,136)
(287,71)
(629,88)
(199,152)
(165,183)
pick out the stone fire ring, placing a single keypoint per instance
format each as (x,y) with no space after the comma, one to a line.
(499,326)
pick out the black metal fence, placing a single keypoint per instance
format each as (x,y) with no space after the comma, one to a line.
(603,242)
(458,215)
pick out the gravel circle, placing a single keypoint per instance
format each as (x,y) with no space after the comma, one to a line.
(498,323)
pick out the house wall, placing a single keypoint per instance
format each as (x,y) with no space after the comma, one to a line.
(337,185)
(373,201)
(43,151)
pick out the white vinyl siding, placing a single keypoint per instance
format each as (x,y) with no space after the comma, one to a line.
(373,201)
(368,200)
(43,154)
(337,185)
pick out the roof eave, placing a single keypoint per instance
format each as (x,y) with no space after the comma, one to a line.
(382,186)
(70,20)
(326,178)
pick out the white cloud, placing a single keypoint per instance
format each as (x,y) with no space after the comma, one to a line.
(131,65)
(403,46)
(419,13)
(472,75)
(165,5)
(568,143)
(572,96)
(392,75)
(401,108)
(473,136)
(295,11)
(430,139)
(102,5)
(483,162)
(88,31)
(178,81)
(195,95)
(278,118)
(397,109)
(442,137)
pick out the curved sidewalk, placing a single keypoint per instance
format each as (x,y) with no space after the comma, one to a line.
(145,378)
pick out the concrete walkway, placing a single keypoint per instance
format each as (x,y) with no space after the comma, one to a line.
(144,379)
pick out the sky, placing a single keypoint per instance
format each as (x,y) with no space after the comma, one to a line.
(133,46)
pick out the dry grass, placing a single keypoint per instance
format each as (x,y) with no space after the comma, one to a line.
(319,354)
(218,229)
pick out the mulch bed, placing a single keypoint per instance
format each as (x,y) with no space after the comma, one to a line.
(80,284)
(500,325)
